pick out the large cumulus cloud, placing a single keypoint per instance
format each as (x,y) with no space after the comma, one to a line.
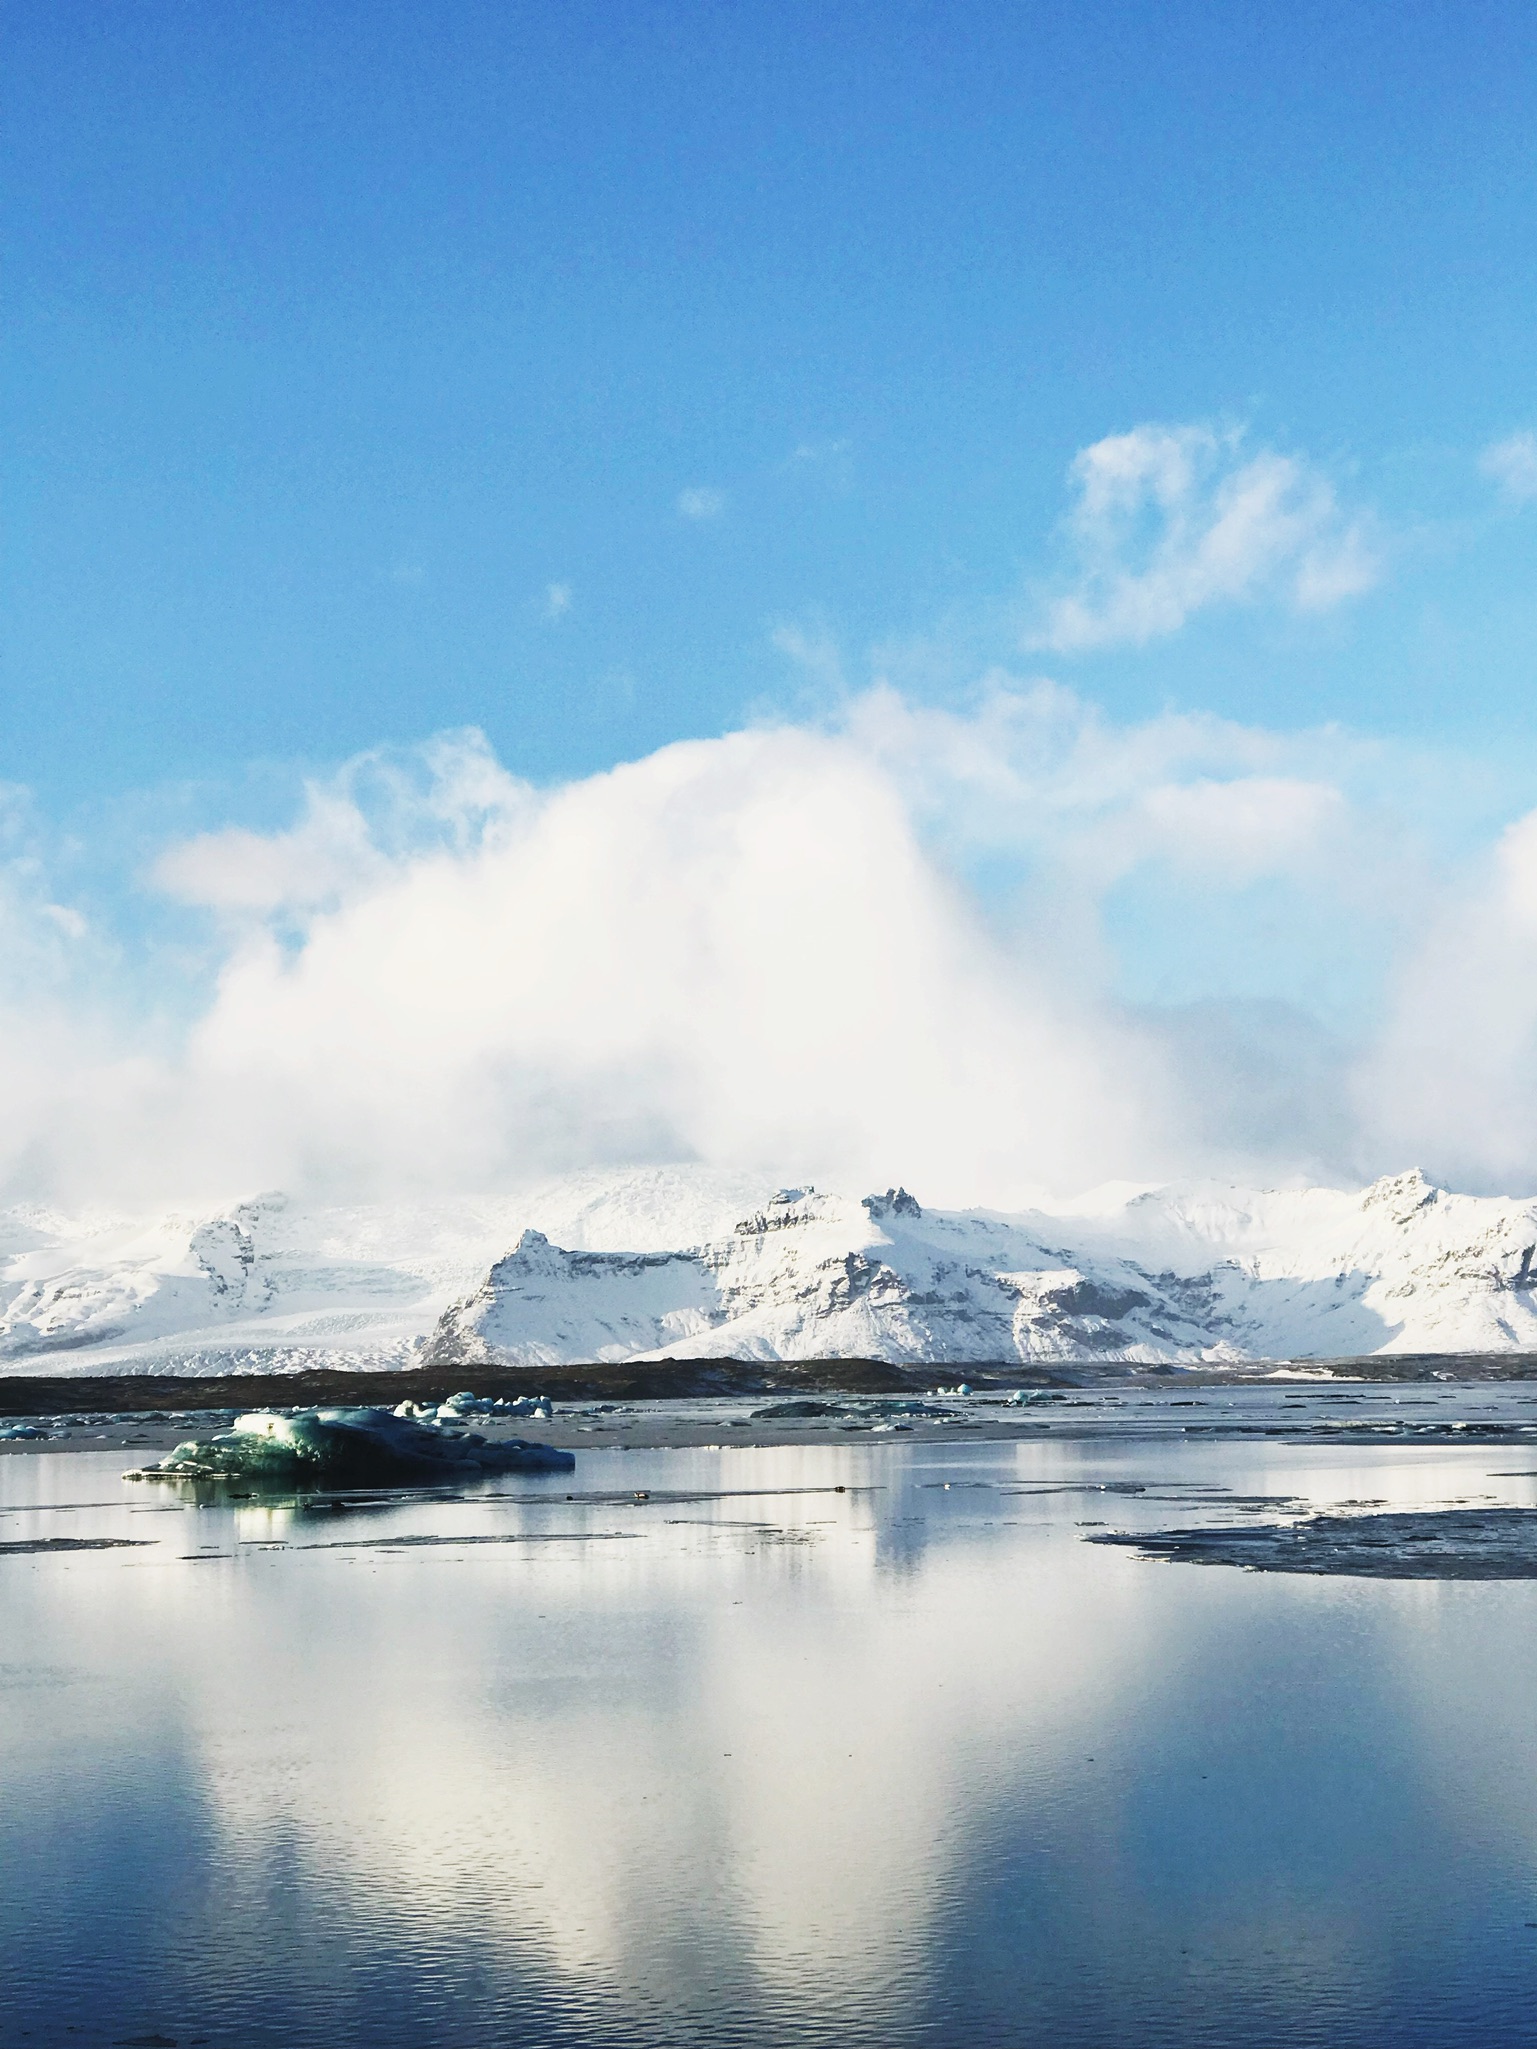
(998,952)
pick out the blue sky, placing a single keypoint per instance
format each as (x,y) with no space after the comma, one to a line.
(338,338)
(601,377)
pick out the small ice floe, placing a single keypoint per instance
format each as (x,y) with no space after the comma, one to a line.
(18,1430)
(345,1448)
(1445,1543)
(456,1407)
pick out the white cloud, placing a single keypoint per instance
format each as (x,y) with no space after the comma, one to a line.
(701,501)
(1041,770)
(328,853)
(1453,1077)
(1512,464)
(734,950)
(355,831)
(1171,520)
(763,952)
(1232,832)
(557,600)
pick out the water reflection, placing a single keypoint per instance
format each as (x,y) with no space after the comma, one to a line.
(906,1764)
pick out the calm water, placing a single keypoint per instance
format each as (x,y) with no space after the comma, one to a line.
(910,1764)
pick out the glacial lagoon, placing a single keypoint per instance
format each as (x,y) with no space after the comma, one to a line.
(856,1743)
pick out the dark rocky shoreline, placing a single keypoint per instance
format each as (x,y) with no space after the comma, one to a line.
(133,1393)
(1447,1543)
(26,1394)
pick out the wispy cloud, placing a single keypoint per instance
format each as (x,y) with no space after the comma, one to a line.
(1169,520)
(701,501)
(1453,1074)
(830,461)
(1512,464)
(356,827)
(807,452)
(815,654)
(1041,772)
(557,600)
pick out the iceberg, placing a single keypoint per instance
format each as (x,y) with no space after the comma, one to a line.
(347,1448)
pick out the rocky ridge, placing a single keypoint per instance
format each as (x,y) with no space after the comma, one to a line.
(1193,1275)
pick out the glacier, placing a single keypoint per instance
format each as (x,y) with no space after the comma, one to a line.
(689,1263)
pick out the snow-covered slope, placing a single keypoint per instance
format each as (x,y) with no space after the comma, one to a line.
(99,1293)
(687,1264)
(272,1283)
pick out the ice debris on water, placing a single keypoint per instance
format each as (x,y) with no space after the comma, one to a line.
(346,1447)
(455,1407)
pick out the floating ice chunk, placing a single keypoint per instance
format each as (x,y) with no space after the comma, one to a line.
(458,1406)
(467,1404)
(346,1447)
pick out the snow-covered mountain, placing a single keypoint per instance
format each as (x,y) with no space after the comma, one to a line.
(273,1282)
(688,1264)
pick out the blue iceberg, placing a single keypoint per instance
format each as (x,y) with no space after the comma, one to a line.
(347,1448)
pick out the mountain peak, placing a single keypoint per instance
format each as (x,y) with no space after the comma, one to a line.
(1402,1195)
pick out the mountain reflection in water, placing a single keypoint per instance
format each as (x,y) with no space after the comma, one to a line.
(907,1764)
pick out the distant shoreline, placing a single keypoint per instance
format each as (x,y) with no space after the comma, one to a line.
(25,1394)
